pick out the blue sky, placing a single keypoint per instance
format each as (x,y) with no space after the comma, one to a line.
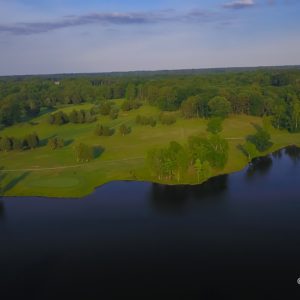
(64,36)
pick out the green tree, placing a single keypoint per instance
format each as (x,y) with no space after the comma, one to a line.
(124,129)
(218,151)
(114,113)
(250,150)
(214,125)
(219,107)
(56,143)
(190,107)
(261,139)
(202,170)
(6,144)
(31,141)
(83,153)
(130,92)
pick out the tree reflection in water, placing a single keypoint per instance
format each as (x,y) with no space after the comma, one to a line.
(293,153)
(259,166)
(177,199)
(1,210)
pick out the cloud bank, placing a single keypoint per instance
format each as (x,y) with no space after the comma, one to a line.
(104,19)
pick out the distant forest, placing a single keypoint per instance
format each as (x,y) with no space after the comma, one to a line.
(273,92)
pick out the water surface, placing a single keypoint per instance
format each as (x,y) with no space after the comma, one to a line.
(236,236)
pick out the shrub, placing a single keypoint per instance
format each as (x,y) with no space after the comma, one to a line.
(124,130)
(56,143)
(167,119)
(104,130)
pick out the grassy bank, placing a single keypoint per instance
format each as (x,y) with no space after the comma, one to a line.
(42,172)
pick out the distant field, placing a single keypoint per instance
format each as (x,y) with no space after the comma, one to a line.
(43,172)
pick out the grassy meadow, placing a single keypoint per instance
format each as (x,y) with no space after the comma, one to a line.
(44,172)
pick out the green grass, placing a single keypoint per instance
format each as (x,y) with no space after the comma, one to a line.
(122,159)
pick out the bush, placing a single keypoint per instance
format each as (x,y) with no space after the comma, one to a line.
(124,130)
(104,130)
(56,143)
(114,113)
(58,118)
(130,105)
(143,120)
(167,119)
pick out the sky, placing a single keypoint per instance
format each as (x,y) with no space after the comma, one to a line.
(75,36)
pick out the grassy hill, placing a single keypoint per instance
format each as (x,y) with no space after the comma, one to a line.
(43,172)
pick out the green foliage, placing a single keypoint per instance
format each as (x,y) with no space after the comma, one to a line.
(114,113)
(124,129)
(130,92)
(214,150)
(202,169)
(261,139)
(105,108)
(191,107)
(219,107)
(104,130)
(56,143)
(6,144)
(130,105)
(58,118)
(166,163)
(214,125)
(83,152)
(81,116)
(144,120)
(250,150)
(167,118)
(31,141)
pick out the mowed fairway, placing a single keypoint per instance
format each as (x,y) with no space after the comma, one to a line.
(43,172)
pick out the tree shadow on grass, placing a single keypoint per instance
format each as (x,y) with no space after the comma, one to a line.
(98,150)
(44,142)
(69,142)
(14,182)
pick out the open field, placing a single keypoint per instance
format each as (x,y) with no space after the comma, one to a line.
(42,172)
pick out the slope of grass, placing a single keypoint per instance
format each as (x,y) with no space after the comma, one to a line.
(43,172)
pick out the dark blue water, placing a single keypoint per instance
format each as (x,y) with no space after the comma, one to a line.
(236,236)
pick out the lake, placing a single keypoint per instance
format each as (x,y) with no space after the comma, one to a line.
(236,236)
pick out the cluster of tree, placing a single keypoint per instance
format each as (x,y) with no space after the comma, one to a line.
(167,118)
(58,118)
(128,105)
(30,141)
(81,116)
(75,116)
(200,154)
(102,130)
(83,152)
(106,108)
(56,143)
(144,120)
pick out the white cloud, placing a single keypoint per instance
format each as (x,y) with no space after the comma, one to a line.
(239,4)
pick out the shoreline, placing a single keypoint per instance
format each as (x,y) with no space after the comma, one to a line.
(274,149)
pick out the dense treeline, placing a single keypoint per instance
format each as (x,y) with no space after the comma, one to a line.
(272,92)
